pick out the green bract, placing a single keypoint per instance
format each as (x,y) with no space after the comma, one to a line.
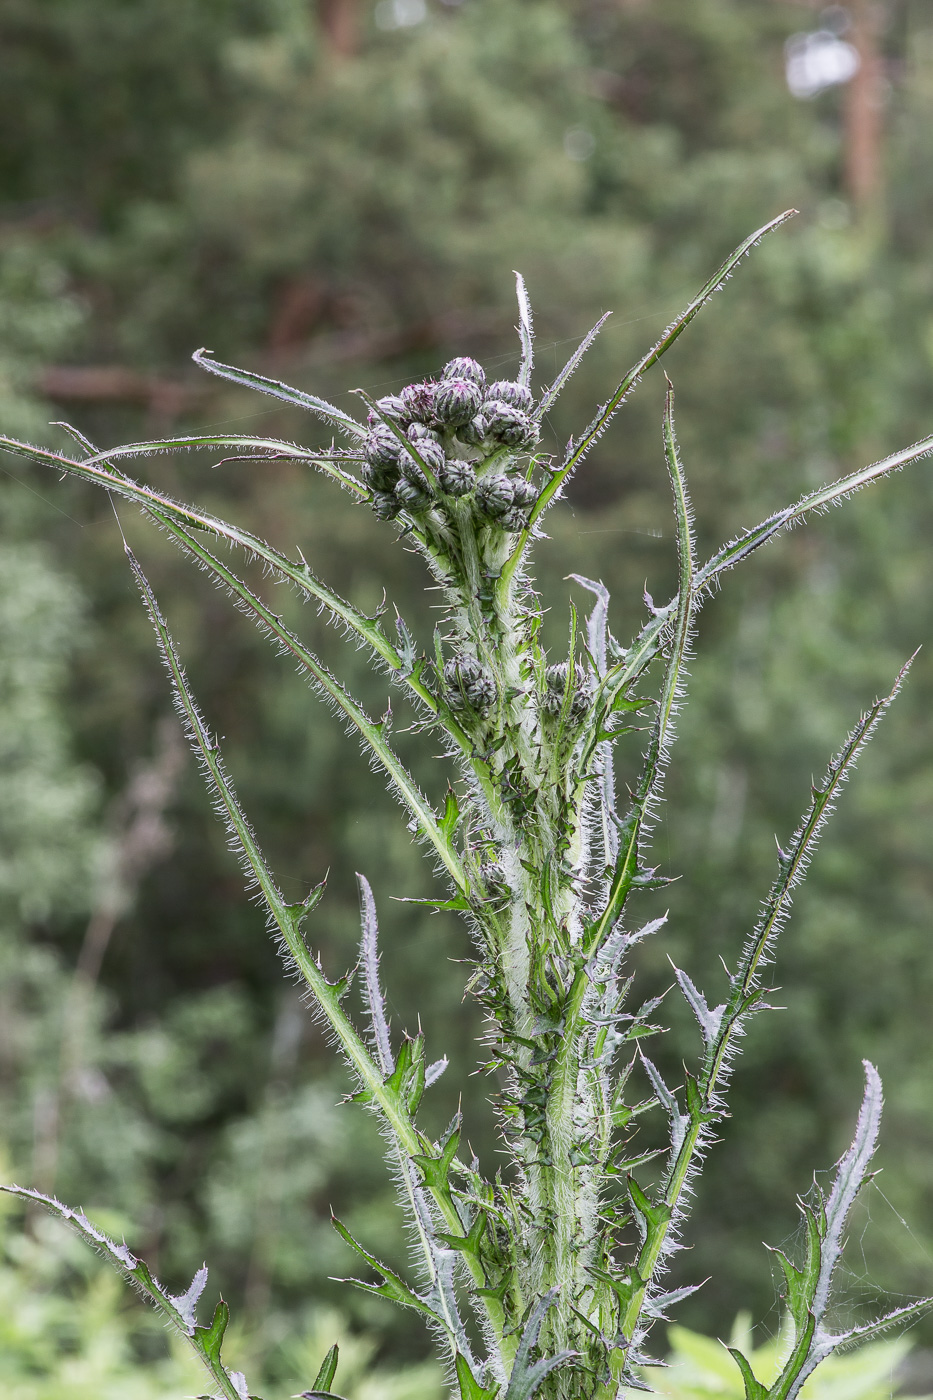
(547,1278)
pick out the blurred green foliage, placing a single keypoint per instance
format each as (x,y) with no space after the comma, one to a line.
(68,1326)
(699,1367)
(179,175)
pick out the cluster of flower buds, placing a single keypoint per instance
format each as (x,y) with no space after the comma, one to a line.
(452,425)
(468,685)
(556,680)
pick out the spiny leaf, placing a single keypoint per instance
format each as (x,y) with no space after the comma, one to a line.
(526,333)
(325,1376)
(551,394)
(371,733)
(211,1338)
(814,502)
(327,412)
(179,1311)
(754,1390)
(579,447)
(709,1020)
(627,872)
(392,1287)
(470,1387)
(526,1375)
(436,1169)
(792,867)
(176,517)
(369,957)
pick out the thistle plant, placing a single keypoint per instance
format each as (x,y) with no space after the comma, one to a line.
(546,1276)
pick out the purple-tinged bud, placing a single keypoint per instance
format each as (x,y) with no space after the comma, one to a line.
(457,478)
(419,402)
(412,497)
(509,425)
(413,471)
(431,453)
(456,401)
(493,877)
(509,391)
(472,433)
(391,406)
(419,433)
(382,447)
(386,504)
(469,686)
(465,368)
(526,493)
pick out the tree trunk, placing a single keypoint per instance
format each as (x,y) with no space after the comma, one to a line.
(864,109)
(340,25)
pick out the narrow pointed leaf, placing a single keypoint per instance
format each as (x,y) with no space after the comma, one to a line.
(392,1286)
(553,390)
(815,501)
(526,1375)
(325,1376)
(331,689)
(526,333)
(180,1312)
(470,1388)
(792,866)
(754,1390)
(626,872)
(327,412)
(375,1000)
(179,518)
(580,446)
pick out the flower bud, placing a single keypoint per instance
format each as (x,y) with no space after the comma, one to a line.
(382,450)
(494,495)
(413,472)
(456,401)
(469,686)
(465,368)
(391,406)
(386,505)
(456,478)
(380,478)
(431,453)
(472,433)
(419,402)
(419,433)
(493,877)
(515,519)
(525,493)
(510,392)
(555,680)
(509,425)
(413,497)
